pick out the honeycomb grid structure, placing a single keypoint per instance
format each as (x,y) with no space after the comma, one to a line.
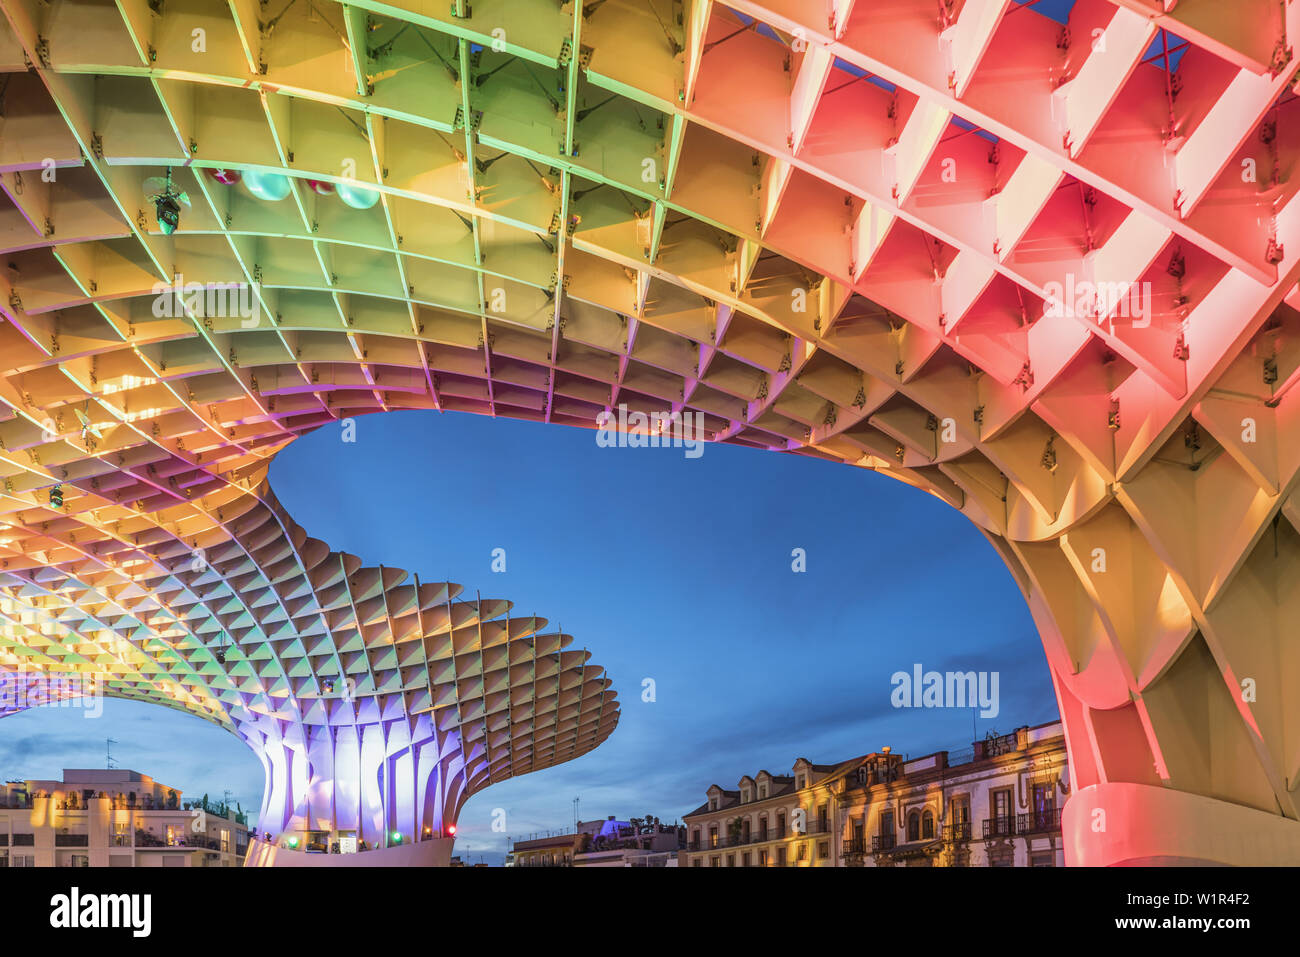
(838,228)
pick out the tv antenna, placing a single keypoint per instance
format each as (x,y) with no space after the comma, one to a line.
(108,752)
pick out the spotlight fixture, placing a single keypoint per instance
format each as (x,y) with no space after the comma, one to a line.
(56,496)
(169,214)
(167,201)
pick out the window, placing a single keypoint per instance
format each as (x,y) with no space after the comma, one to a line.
(859,832)
(961,809)
(174,834)
(823,850)
(780,824)
(762,827)
(762,791)
(715,862)
(744,859)
(762,858)
(1044,806)
(914,826)
(80,860)
(822,813)
(887,823)
(225,840)
(798,782)
(1043,859)
(713,836)
(1001,805)
(780,857)
(927,825)
(731,860)
(803,852)
(699,861)
(713,804)
(22,860)
(744,795)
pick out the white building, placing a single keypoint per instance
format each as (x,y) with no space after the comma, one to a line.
(114,818)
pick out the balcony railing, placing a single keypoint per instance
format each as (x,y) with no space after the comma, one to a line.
(999,826)
(71,840)
(1029,822)
(1034,822)
(883,842)
(957,831)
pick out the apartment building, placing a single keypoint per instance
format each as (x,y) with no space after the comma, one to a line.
(114,818)
(996,803)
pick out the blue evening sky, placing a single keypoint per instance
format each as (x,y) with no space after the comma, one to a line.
(665,567)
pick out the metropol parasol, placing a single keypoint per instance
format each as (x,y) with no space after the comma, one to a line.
(1038,260)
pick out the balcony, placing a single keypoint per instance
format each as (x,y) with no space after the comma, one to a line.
(953,833)
(71,840)
(1037,822)
(999,826)
(883,842)
(1030,822)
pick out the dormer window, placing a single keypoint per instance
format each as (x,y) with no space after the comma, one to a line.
(744,795)
(798,783)
(762,791)
(713,804)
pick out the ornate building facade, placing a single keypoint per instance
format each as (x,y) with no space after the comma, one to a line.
(997,803)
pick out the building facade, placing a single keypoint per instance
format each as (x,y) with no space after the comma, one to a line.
(114,818)
(996,803)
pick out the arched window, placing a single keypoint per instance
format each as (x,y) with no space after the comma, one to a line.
(914,826)
(927,825)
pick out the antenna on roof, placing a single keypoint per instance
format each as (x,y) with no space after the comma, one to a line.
(108,753)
